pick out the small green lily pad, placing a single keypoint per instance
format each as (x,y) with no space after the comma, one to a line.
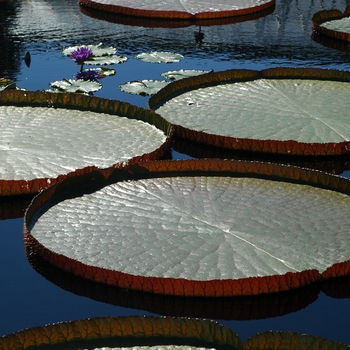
(183,73)
(103,71)
(115,59)
(80,85)
(160,57)
(97,50)
(143,87)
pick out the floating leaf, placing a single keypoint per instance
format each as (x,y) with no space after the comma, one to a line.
(183,73)
(191,9)
(143,87)
(280,111)
(5,81)
(136,332)
(160,57)
(222,228)
(115,59)
(71,85)
(80,132)
(105,71)
(97,50)
(11,86)
(149,19)
(332,23)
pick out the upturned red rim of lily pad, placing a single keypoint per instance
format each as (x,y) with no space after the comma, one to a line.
(272,146)
(225,308)
(180,286)
(164,22)
(328,15)
(155,332)
(81,102)
(134,9)
(103,332)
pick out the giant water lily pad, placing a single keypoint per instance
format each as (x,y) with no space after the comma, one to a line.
(154,333)
(46,135)
(280,111)
(133,332)
(200,227)
(179,9)
(333,24)
(166,22)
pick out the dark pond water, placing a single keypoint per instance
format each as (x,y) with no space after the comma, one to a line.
(44,28)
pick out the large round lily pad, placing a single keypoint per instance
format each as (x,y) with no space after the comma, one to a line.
(164,22)
(155,333)
(191,9)
(46,136)
(133,332)
(333,24)
(201,227)
(287,111)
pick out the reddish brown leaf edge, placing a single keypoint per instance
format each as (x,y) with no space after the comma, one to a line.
(328,15)
(98,332)
(174,15)
(164,22)
(180,286)
(85,103)
(267,147)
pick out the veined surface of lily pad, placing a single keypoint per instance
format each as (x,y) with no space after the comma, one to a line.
(179,9)
(183,73)
(290,111)
(333,24)
(200,235)
(43,142)
(340,25)
(159,57)
(143,87)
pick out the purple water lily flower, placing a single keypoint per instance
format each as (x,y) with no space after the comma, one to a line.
(89,74)
(81,54)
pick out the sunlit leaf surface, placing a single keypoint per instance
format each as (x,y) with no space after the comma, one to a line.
(341,25)
(71,85)
(301,110)
(333,24)
(143,87)
(47,136)
(97,50)
(45,142)
(159,57)
(266,106)
(115,59)
(200,228)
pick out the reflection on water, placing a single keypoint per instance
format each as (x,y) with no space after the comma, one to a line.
(44,27)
